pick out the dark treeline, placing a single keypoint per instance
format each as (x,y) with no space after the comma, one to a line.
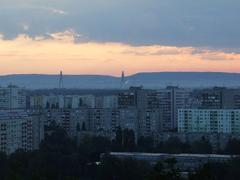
(218,171)
(125,141)
(60,157)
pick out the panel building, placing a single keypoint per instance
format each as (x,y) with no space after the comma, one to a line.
(208,121)
(12,97)
(18,130)
(218,98)
(170,100)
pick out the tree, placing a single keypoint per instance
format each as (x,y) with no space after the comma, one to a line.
(52,125)
(160,173)
(47,105)
(119,136)
(53,106)
(233,147)
(57,105)
(58,141)
(171,162)
(93,146)
(204,173)
(122,169)
(173,145)
(84,126)
(78,127)
(146,144)
(80,103)
(201,147)
(3,161)
(129,139)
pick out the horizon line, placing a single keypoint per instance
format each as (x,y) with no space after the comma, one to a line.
(140,72)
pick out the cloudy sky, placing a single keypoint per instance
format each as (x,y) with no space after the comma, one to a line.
(107,36)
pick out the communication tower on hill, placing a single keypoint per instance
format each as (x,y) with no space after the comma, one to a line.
(123,80)
(60,86)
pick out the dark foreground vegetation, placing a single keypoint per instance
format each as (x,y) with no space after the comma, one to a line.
(61,158)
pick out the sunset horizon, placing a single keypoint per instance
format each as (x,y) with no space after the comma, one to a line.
(41,54)
(106,37)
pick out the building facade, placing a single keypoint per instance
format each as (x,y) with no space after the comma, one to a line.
(19,130)
(208,121)
(12,97)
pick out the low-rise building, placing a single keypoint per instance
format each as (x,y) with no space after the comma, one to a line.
(184,162)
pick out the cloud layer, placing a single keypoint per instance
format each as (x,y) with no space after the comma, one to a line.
(68,52)
(208,23)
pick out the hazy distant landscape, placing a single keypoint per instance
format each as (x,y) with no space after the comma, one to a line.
(148,80)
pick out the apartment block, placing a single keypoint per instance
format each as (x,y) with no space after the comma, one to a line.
(19,130)
(209,120)
(12,97)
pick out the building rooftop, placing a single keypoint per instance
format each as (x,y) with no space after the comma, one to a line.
(174,155)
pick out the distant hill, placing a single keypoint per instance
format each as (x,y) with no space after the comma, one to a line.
(148,80)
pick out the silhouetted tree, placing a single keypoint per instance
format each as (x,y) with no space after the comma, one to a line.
(58,141)
(57,106)
(233,147)
(78,127)
(119,136)
(129,139)
(84,126)
(173,145)
(122,169)
(201,147)
(145,144)
(53,106)
(80,103)
(3,161)
(93,146)
(47,105)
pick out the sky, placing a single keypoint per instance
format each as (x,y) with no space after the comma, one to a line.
(108,36)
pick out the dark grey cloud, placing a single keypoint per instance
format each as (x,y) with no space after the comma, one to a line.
(208,23)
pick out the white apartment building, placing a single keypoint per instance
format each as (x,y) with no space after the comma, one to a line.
(209,120)
(12,97)
(18,130)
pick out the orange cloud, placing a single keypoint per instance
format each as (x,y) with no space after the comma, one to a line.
(62,51)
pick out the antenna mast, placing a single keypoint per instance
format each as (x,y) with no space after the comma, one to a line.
(60,80)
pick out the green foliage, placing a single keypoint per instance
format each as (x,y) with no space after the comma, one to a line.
(173,145)
(59,142)
(122,169)
(92,147)
(47,105)
(201,147)
(145,144)
(78,127)
(119,136)
(171,162)
(129,139)
(84,126)
(218,171)
(3,161)
(124,140)
(233,147)
(160,173)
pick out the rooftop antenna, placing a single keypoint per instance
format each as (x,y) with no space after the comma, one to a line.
(60,80)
